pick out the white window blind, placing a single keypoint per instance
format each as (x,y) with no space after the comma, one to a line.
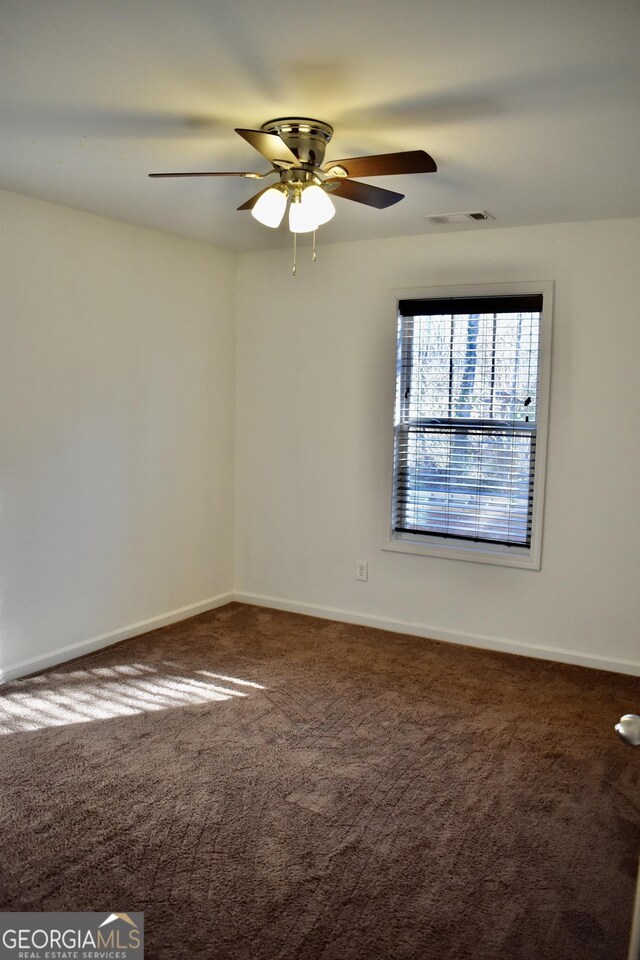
(465,421)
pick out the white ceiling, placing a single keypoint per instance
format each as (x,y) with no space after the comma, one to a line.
(531,108)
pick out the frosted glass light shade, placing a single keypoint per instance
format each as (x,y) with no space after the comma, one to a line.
(301,220)
(269,208)
(310,210)
(318,204)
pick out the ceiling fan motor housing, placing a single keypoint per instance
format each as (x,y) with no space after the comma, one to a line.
(306,138)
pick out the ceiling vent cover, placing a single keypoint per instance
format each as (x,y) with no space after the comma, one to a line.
(477,215)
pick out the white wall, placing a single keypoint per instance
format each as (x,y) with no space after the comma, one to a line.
(117,408)
(117,429)
(315,390)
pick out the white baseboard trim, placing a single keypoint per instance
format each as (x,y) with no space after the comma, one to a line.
(539,652)
(62,654)
(556,654)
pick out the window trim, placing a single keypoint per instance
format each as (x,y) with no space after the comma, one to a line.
(529,558)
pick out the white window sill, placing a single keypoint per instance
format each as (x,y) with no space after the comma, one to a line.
(525,559)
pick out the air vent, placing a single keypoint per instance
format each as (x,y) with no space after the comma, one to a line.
(477,215)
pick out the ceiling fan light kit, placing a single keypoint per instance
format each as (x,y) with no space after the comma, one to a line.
(295,148)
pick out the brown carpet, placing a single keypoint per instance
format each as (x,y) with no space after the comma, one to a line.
(269,786)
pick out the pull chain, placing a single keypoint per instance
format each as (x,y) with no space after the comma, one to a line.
(314,255)
(295,251)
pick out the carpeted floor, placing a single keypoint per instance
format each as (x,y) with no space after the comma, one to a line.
(268,786)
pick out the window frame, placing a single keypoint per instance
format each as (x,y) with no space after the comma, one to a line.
(450,548)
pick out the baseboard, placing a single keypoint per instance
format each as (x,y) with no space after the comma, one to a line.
(556,654)
(62,654)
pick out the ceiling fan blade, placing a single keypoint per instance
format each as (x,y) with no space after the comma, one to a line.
(217,173)
(363,193)
(251,202)
(385,164)
(271,146)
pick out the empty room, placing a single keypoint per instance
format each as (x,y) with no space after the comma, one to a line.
(319,471)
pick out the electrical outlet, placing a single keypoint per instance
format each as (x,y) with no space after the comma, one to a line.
(362,570)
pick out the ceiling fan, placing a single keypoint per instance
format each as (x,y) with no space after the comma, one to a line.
(295,147)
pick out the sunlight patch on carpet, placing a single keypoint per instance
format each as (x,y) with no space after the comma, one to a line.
(105,693)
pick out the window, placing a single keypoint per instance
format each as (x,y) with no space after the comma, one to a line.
(470,403)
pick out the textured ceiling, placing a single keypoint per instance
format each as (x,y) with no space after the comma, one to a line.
(530,109)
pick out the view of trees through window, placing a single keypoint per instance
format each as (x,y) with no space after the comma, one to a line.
(466,425)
